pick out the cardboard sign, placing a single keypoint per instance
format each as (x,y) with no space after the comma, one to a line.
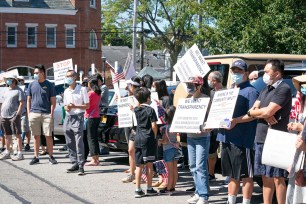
(60,70)
(191,64)
(180,92)
(126,117)
(222,109)
(189,115)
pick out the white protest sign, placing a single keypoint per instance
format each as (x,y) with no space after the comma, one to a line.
(125,115)
(60,70)
(189,115)
(191,64)
(280,151)
(154,98)
(222,109)
(2,93)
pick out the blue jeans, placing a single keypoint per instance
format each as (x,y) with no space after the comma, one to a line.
(198,148)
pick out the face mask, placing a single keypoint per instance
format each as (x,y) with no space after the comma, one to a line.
(267,79)
(190,89)
(210,84)
(303,90)
(69,81)
(237,78)
(36,77)
(153,89)
(253,82)
(9,81)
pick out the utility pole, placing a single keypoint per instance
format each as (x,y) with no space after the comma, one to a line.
(141,46)
(200,26)
(134,32)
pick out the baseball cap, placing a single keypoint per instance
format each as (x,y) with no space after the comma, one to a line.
(195,80)
(240,64)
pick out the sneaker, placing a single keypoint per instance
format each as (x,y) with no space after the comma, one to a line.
(18,157)
(211,177)
(151,192)
(202,201)
(194,199)
(81,171)
(73,169)
(128,179)
(27,147)
(52,160)
(139,194)
(190,189)
(35,160)
(2,149)
(4,156)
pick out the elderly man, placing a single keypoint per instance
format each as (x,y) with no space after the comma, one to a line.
(237,148)
(11,111)
(272,109)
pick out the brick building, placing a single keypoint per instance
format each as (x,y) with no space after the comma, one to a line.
(47,31)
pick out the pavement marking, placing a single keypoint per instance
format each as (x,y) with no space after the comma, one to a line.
(13,193)
(49,183)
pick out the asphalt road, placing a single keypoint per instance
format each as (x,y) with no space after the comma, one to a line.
(45,183)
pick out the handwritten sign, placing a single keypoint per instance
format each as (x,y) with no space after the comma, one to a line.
(191,64)
(60,70)
(222,109)
(189,115)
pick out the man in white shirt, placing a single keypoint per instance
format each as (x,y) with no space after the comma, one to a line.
(76,101)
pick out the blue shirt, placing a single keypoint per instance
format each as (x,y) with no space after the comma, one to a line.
(41,94)
(243,134)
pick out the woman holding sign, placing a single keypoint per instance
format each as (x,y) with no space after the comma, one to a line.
(198,146)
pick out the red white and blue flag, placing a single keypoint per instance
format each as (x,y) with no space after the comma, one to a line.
(118,75)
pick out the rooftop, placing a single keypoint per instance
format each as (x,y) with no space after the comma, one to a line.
(45,4)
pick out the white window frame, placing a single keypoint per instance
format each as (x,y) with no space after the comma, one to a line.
(11,25)
(70,27)
(92,4)
(32,25)
(93,39)
(51,26)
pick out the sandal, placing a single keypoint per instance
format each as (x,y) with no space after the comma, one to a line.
(43,153)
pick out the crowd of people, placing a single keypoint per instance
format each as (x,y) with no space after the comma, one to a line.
(151,146)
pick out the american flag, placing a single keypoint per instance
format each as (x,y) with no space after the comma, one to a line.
(161,169)
(296,108)
(118,75)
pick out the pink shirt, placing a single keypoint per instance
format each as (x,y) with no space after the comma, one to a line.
(94,101)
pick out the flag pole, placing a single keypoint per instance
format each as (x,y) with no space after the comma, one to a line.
(134,33)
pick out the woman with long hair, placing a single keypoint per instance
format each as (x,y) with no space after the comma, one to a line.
(92,117)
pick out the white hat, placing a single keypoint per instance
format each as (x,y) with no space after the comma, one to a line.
(132,82)
(10,76)
(20,77)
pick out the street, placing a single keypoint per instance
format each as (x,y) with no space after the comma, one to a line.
(45,183)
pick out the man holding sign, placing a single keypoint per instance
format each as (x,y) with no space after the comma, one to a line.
(238,140)
(272,109)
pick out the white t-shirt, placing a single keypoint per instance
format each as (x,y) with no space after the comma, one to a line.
(78,96)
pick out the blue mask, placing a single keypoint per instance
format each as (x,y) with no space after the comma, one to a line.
(36,77)
(9,81)
(69,81)
(237,78)
(303,90)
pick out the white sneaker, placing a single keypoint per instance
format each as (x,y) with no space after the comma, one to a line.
(202,201)
(18,157)
(194,199)
(4,156)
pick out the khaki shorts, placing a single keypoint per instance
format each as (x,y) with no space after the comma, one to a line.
(41,124)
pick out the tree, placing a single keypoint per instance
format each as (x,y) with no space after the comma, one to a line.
(171,22)
(247,26)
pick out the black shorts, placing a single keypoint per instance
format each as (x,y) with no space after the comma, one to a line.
(11,125)
(129,134)
(144,155)
(237,162)
(214,144)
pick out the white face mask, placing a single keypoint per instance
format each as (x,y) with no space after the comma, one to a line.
(267,79)
(153,89)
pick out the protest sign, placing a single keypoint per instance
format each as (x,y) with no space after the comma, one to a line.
(280,151)
(154,101)
(222,109)
(60,70)
(126,117)
(189,115)
(191,64)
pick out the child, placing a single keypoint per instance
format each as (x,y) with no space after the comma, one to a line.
(145,140)
(170,147)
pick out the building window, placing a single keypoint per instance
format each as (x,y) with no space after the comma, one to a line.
(50,36)
(31,34)
(93,3)
(11,34)
(70,36)
(93,44)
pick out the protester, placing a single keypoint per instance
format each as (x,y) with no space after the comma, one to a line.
(147,81)
(171,154)
(76,101)
(11,111)
(104,91)
(92,118)
(163,95)
(215,83)
(198,147)
(238,140)
(24,118)
(272,109)
(253,76)
(145,140)
(41,103)
(132,85)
